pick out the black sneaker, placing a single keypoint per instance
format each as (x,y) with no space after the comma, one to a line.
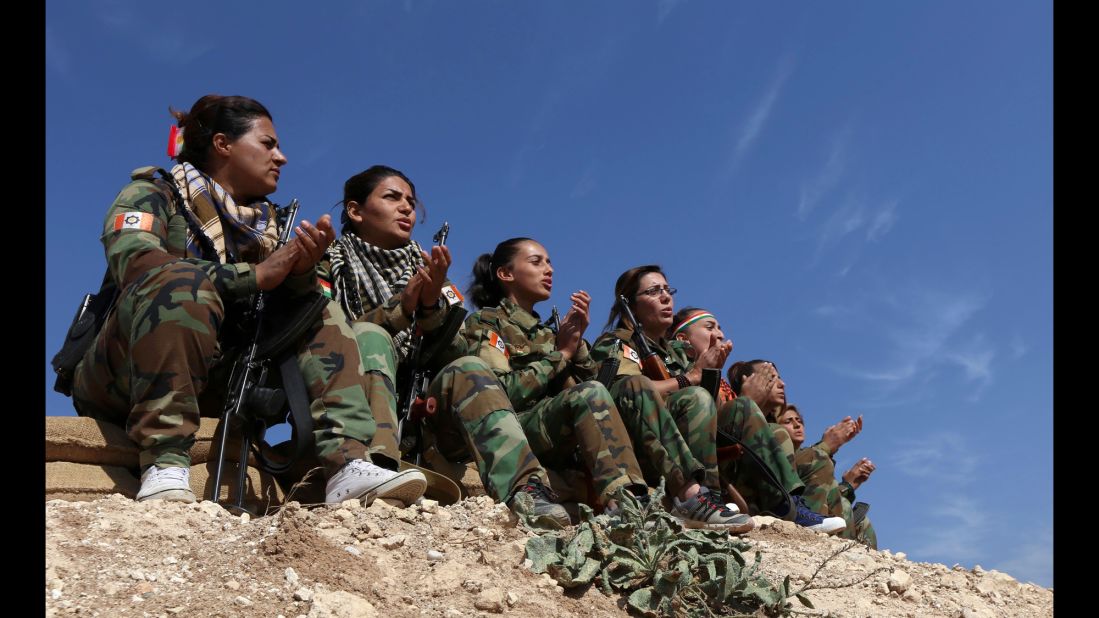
(545,502)
(704,511)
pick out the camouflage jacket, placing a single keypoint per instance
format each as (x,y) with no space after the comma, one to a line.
(522,352)
(390,315)
(145,230)
(673,352)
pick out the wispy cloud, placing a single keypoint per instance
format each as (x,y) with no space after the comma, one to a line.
(1031,560)
(176,47)
(960,531)
(921,329)
(664,8)
(883,221)
(813,190)
(586,182)
(756,121)
(57,57)
(945,457)
(1018,347)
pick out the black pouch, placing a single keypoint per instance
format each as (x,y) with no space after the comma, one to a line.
(90,316)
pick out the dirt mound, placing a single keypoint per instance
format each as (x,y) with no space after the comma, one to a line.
(116,557)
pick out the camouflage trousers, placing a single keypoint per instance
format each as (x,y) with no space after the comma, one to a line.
(160,352)
(583,418)
(742,419)
(823,494)
(474,416)
(673,437)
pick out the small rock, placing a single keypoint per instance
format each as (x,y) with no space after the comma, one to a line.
(452,613)
(243,600)
(393,542)
(170,560)
(978,570)
(175,579)
(138,575)
(175,610)
(900,555)
(899,581)
(352,550)
(303,594)
(245,518)
(291,576)
(490,600)
(408,515)
(212,509)
(528,563)
(764,521)
(882,588)
(137,598)
(343,514)
(429,506)
(55,594)
(472,585)
(911,595)
(232,584)
(56,584)
(512,599)
(434,556)
(351,504)
(111,588)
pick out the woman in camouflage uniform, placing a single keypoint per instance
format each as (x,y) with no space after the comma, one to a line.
(550,379)
(188,254)
(382,279)
(817,468)
(652,304)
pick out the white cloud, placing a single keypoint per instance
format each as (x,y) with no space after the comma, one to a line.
(755,122)
(665,8)
(944,457)
(882,222)
(1031,560)
(586,182)
(1018,347)
(813,190)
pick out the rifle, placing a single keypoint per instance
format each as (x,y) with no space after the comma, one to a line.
(651,364)
(251,403)
(413,377)
(608,371)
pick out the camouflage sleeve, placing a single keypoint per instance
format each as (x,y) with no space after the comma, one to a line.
(135,234)
(524,386)
(390,315)
(583,366)
(628,364)
(847,491)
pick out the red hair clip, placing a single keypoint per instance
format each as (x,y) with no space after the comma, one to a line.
(175,142)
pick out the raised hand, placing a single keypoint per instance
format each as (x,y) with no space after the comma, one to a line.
(297,256)
(758,385)
(434,274)
(860,472)
(841,433)
(574,324)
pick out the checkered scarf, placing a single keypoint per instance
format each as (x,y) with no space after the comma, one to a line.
(246,233)
(359,269)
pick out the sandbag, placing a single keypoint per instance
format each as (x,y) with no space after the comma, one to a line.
(261,491)
(79,439)
(84,482)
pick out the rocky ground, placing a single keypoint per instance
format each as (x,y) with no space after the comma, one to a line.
(117,557)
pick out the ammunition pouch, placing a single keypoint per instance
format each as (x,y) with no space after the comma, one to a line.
(89,320)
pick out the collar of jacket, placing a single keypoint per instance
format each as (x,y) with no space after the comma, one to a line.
(521,317)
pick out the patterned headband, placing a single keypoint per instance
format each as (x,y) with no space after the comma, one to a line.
(701,315)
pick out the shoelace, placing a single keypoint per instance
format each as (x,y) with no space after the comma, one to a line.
(175,474)
(535,486)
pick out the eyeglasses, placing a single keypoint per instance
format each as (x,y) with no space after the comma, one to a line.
(656,290)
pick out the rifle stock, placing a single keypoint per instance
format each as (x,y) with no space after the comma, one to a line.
(651,364)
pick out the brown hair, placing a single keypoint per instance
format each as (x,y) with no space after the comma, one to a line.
(210,115)
(627,285)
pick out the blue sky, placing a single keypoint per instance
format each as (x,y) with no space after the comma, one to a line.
(862,192)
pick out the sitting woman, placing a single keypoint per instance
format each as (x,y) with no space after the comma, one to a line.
(189,253)
(383,279)
(764,484)
(550,380)
(817,468)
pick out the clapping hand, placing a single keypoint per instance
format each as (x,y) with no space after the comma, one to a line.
(574,324)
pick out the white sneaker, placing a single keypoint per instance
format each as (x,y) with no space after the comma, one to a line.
(362,479)
(830,525)
(172,484)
